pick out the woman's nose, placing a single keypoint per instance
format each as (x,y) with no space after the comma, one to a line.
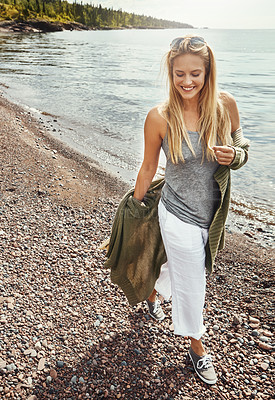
(187,80)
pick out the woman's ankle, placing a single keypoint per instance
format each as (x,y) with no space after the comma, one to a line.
(197,347)
(153,296)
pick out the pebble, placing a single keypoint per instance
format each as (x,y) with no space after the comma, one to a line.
(74,380)
(264,366)
(265,346)
(237,320)
(38,346)
(255,333)
(41,364)
(264,339)
(254,320)
(53,373)
(60,364)
(11,367)
(215,327)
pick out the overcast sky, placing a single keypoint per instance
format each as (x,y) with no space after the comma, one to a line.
(227,14)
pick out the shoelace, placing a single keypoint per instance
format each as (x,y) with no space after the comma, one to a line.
(205,362)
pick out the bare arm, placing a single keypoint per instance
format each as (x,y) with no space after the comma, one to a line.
(154,131)
(226,154)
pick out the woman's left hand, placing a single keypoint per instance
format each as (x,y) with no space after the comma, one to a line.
(224,154)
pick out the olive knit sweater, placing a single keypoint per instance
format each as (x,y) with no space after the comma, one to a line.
(136,252)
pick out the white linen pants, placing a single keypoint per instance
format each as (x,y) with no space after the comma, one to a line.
(183,275)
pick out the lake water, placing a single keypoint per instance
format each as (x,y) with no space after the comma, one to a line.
(101,84)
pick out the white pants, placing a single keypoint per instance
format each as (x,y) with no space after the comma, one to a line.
(183,276)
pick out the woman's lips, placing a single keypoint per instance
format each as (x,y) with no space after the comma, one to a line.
(187,89)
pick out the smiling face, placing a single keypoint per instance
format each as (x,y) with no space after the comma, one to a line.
(188,75)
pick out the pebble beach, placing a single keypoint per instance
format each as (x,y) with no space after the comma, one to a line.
(66,332)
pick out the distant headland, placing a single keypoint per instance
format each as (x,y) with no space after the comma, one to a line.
(58,15)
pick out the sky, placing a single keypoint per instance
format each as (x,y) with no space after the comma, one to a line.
(225,14)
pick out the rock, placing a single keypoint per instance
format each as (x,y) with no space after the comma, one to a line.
(254,326)
(53,373)
(264,366)
(2,363)
(73,380)
(29,380)
(216,327)
(255,333)
(38,346)
(265,346)
(49,379)
(264,339)
(11,367)
(33,353)
(254,320)
(237,320)
(41,364)
(3,320)
(60,364)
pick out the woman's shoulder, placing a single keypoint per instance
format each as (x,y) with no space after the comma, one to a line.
(156,121)
(230,104)
(156,115)
(227,99)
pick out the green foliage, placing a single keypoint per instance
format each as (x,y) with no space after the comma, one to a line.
(87,14)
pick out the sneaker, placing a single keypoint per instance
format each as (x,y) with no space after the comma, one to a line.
(203,367)
(155,310)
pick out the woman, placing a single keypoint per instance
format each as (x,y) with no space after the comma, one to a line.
(194,127)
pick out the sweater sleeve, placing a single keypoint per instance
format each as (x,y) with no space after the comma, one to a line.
(240,145)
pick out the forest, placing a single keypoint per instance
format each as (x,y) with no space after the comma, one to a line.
(92,16)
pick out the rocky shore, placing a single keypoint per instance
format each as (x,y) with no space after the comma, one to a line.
(36,25)
(66,332)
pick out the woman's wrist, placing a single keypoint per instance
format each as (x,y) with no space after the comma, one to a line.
(234,154)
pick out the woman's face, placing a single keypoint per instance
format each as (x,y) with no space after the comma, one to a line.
(188,75)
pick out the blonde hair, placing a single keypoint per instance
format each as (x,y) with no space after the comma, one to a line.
(214,124)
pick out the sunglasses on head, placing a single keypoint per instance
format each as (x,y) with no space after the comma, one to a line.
(194,41)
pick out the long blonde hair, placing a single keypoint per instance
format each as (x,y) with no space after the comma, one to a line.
(214,122)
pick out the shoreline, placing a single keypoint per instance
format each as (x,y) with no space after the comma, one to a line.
(45,26)
(67,330)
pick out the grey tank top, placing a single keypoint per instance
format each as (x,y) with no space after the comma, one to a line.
(190,191)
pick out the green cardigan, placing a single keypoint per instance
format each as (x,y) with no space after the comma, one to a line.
(136,252)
